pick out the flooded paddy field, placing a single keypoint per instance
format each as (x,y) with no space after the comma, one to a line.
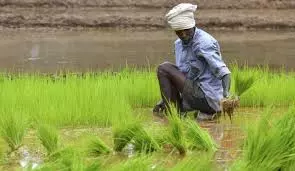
(49,50)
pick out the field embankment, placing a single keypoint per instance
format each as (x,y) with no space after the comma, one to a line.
(229,14)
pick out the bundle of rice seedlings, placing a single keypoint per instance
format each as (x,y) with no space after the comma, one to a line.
(49,138)
(176,136)
(270,145)
(97,147)
(242,83)
(65,159)
(199,139)
(142,163)
(228,106)
(144,141)
(197,163)
(123,135)
(13,130)
(95,166)
(1,150)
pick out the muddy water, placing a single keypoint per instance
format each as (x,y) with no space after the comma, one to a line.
(50,50)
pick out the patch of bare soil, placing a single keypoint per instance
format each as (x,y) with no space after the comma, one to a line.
(228,14)
(204,4)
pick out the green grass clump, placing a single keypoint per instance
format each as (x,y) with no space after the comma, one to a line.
(270,145)
(13,129)
(198,138)
(97,147)
(49,138)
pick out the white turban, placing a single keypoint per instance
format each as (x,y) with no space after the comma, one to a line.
(181,16)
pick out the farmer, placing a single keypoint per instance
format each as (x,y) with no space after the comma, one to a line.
(200,79)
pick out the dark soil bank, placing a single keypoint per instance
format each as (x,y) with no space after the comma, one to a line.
(226,14)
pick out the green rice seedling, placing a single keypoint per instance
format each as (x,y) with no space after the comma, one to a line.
(199,139)
(49,138)
(176,134)
(143,141)
(198,163)
(142,162)
(271,144)
(97,147)
(66,159)
(94,166)
(100,98)
(123,135)
(13,129)
(242,83)
(1,151)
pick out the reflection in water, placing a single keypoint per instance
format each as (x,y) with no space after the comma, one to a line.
(100,49)
(34,53)
(27,160)
(129,150)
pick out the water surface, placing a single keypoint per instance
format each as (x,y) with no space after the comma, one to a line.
(48,51)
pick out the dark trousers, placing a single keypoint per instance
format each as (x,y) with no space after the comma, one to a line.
(179,91)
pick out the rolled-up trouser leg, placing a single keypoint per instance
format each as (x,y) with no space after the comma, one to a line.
(171,82)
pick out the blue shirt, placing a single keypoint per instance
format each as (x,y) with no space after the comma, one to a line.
(200,60)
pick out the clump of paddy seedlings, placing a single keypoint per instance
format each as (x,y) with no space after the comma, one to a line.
(198,138)
(185,133)
(136,135)
(123,135)
(49,138)
(68,159)
(176,134)
(242,83)
(141,162)
(13,130)
(143,141)
(198,163)
(1,151)
(270,145)
(97,147)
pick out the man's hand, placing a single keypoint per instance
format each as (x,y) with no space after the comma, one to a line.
(226,81)
(226,94)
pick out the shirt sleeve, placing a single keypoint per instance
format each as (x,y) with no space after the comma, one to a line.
(211,54)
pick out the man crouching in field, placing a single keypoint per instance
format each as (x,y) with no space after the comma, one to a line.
(200,79)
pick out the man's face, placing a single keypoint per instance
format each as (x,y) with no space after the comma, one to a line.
(185,35)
